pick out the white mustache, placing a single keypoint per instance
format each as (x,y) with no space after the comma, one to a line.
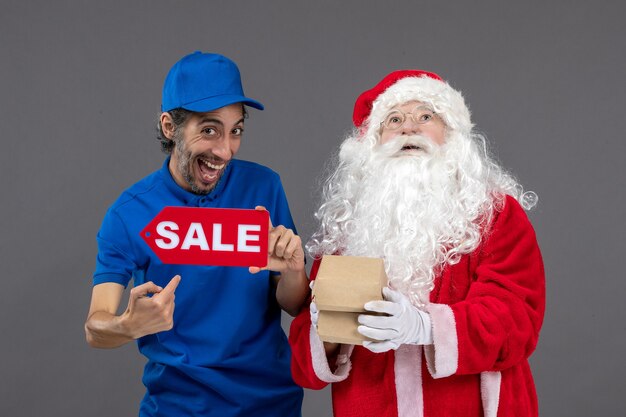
(394,146)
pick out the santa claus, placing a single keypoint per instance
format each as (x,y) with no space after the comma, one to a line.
(414,185)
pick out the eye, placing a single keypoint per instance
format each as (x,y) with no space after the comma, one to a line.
(393,120)
(209,131)
(238,131)
(423,114)
(426,117)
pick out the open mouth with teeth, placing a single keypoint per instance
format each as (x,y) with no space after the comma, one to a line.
(209,171)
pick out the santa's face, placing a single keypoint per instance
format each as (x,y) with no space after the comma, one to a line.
(419,119)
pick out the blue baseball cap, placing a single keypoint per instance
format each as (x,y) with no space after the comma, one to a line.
(203,82)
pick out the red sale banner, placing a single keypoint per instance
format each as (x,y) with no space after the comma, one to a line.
(207,236)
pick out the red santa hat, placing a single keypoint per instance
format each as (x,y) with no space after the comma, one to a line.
(411,85)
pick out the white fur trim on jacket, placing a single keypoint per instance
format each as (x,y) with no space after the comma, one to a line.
(408,379)
(442,357)
(320,362)
(445,101)
(490,392)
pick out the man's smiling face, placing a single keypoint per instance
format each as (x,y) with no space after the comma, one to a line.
(204,145)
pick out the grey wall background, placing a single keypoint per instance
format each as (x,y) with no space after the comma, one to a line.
(79,95)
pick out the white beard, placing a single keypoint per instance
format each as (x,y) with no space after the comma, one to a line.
(417,211)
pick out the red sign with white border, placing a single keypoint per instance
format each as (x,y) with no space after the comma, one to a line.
(209,236)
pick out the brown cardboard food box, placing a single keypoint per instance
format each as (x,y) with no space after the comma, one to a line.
(342,287)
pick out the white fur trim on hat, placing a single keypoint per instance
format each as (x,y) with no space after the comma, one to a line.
(445,101)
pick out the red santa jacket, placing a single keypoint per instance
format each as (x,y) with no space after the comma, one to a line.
(486,314)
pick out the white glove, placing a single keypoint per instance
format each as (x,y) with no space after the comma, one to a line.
(313,308)
(405,323)
(314,314)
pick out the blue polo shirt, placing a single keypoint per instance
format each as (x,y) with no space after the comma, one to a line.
(227,354)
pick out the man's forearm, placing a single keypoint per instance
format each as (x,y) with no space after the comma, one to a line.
(105,330)
(292,290)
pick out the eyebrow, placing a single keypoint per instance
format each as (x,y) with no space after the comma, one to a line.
(217,121)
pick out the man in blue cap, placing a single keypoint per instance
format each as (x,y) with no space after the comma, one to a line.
(221,351)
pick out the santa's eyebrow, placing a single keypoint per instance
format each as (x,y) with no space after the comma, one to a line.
(424,106)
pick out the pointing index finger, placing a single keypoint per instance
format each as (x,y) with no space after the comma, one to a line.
(172,285)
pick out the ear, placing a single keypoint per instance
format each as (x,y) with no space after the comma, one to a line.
(167,125)
(361,132)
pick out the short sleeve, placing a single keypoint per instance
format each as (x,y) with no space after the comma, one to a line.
(115,261)
(282,214)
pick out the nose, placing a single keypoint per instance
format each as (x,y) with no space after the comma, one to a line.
(222,148)
(410,127)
